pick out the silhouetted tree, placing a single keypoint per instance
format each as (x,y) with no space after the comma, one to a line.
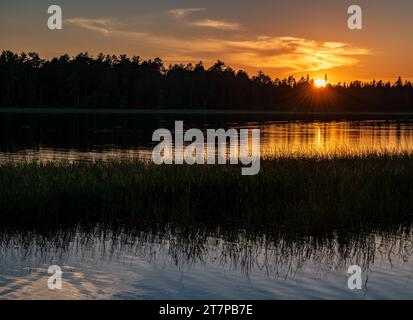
(110,81)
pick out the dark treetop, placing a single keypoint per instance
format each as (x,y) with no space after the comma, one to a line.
(26,80)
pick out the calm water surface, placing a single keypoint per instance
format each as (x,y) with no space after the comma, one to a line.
(90,138)
(102,264)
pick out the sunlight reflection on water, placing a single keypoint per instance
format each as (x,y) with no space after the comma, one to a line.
(278,139)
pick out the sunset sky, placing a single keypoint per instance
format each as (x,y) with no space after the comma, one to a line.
(280,37)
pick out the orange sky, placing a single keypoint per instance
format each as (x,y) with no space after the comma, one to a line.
(290,37)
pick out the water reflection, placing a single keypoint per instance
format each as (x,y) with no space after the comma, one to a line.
(107,138)
(174,263)
(179,263)
(343,137)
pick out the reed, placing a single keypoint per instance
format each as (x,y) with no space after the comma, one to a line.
(305,193)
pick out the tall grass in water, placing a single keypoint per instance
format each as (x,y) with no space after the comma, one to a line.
(312,194)
(276,254)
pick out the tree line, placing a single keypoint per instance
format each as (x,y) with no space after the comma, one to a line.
(111,81)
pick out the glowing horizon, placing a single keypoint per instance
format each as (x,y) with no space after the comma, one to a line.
(280,39)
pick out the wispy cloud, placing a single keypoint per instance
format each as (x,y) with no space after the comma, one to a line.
(296,54)
(182,15)
(99,25)
(183,12)
(288,53)
(104,26)
(216,24)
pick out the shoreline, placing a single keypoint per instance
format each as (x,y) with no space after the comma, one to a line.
(211,112)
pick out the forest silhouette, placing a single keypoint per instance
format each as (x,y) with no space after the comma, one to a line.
(110,81)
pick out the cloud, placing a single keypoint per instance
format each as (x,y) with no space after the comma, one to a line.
(216,24)
(296,54)
(99,25)
(104,26)
(291,54)
(182,13)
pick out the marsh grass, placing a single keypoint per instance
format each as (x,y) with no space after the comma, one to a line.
(276,253)
(314,195)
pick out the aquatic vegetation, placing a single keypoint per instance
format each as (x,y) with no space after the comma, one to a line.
(312,194)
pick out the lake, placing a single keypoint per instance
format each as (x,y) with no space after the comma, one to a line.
(86,137)
(167,263)
(101,264)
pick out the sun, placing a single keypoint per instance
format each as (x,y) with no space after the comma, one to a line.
(320,83)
